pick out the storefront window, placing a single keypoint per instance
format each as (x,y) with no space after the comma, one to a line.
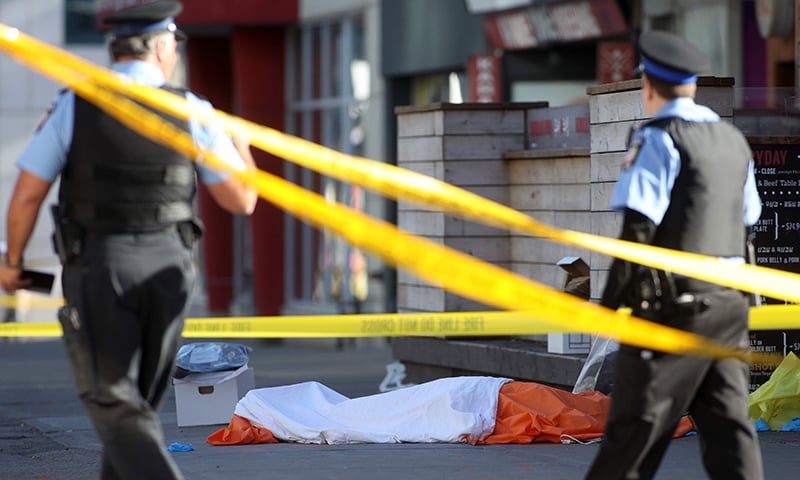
(707,25)
(556,93)
(712,25)
(328,96)
(440,87)
(81,23)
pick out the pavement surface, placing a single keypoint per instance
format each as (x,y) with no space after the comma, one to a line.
(45,435)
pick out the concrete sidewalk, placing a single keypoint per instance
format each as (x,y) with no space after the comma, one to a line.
(44,434)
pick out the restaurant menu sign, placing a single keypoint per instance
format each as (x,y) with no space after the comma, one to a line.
(554,22)
(777,239)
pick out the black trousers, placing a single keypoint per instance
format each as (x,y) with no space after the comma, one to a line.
(127,297)
(652,390)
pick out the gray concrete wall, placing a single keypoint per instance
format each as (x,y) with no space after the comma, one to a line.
(25,96)
(461,144)
(483,148)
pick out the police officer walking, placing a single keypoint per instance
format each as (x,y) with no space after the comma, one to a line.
(125,231)
(687,184)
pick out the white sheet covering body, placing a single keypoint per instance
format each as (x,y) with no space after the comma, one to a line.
(444,410)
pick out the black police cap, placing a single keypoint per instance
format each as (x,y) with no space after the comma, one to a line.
(670,57)
(150,17)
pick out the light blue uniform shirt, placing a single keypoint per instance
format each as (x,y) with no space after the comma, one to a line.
(646,185)
(46,154)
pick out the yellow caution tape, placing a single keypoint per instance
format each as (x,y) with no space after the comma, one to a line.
(398,183)
(775,317)
(491,323)
(30,302)
(369,325)
(36,329)
(454,271)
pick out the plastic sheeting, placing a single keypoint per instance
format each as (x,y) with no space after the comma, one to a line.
(210,357)
(521,412)
(455,409)
(777,401)
(597,373)
(530,412)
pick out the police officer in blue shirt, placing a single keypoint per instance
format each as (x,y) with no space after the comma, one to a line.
(125,231)
(687,183)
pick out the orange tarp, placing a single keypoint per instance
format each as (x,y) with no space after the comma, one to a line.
(531,412)
(241,432)
(527,412)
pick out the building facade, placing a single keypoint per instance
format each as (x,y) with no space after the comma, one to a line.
(332,71)
(25,96)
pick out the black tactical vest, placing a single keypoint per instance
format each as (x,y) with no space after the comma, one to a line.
(706,209)
(118,181)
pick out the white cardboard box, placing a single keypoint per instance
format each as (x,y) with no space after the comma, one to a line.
(568,343)
(201,399)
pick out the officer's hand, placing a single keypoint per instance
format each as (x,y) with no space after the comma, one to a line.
(10,279)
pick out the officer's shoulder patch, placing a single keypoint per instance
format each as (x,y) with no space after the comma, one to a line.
(634,145)
(44,118)
(49,110)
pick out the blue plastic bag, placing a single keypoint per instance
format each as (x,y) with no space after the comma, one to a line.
(762,425)
(792,425)
(180,447)
(210,357)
